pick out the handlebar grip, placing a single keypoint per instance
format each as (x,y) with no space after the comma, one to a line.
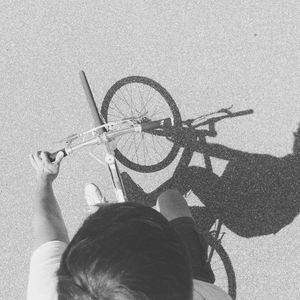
(52,156)
(157,124)
(242,113)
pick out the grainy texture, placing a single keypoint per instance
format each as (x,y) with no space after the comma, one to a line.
(207,54)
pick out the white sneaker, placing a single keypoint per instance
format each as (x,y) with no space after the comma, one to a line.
(93,197)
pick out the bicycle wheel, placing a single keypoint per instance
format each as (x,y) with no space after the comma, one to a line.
(220,262)
(137,96)
(222,267)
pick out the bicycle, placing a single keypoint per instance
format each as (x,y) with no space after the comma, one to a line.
(114,123)
(106,132)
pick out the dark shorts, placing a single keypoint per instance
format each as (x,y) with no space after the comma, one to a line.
(196,246)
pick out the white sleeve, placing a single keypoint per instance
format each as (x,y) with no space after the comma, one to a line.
(44,263)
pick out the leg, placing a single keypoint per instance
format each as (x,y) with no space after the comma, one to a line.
(174,208)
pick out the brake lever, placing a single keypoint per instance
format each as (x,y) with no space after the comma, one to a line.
(226,110)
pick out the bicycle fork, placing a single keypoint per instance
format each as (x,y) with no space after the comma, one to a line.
(115,173)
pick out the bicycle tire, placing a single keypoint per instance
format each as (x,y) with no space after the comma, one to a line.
(212,242)
(136,166)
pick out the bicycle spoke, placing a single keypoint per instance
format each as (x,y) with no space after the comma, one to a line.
(135,107)
(151,103)
(161,112)
(131,142)
(159,105)
(154,147)
(157,142)
(159,139)
(143,147)
(130,100)
(150,155)
(123,98)
(117,118)
(139,144)
(141,97)
(126,101)
(136,148)
(148,100)
(119,110)
(124,143)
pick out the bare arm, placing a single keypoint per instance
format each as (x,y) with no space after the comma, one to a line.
(48,223)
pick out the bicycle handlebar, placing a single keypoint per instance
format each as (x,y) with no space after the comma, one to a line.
(228,115)
(108,136)
(163,123)
(242,113)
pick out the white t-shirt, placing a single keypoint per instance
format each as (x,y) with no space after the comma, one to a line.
(45,262)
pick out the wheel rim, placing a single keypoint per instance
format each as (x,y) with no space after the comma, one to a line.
(142,97)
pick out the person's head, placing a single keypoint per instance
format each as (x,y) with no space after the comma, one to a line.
(296,145)
(125,251)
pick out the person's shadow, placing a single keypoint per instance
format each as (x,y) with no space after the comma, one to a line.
(258,194)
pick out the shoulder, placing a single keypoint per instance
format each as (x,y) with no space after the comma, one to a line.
(44,263)
(208,291)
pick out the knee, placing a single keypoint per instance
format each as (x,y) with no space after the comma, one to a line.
(172,205)
(168,197)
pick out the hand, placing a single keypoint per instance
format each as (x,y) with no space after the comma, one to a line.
(45,169)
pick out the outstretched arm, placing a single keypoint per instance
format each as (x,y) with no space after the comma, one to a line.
(48,223)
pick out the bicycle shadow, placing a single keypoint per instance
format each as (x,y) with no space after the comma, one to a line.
(258,194)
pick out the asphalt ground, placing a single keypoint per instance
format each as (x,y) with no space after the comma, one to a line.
(208,55)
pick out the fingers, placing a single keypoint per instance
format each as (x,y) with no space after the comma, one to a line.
(45,157)
(32,161)
(59,157)
(39,157)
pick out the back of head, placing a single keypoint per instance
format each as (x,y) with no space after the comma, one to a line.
(125,251)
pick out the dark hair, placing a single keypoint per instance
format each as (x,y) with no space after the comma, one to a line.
(125,251)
